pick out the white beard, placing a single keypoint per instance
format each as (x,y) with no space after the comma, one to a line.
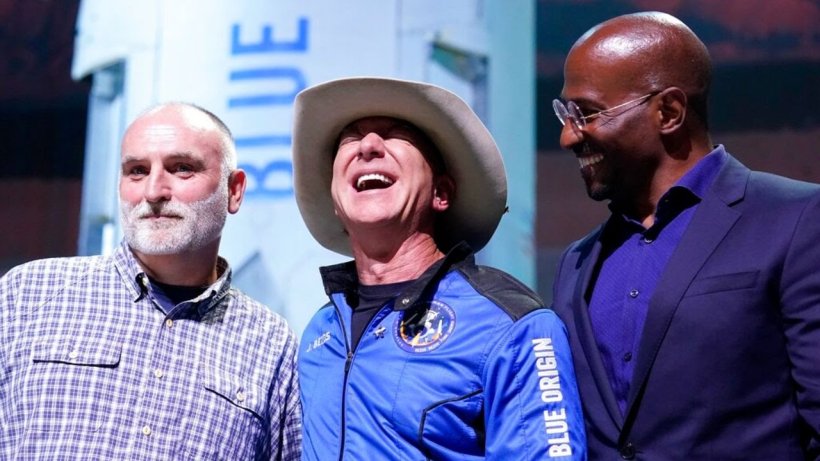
(196,225)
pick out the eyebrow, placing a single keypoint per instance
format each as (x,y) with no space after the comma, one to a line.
(579,101)
(189,156)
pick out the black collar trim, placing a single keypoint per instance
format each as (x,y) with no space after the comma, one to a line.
(342,278)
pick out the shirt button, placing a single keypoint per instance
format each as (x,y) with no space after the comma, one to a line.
(648,240)
(628,451)
(627,356)
(169,323)
(240,396)
(146,430)
(73,355)
(158,373)
(633,293)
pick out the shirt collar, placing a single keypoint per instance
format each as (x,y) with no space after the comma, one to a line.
(687,191)
(138,284)
(700,177)
(342,278)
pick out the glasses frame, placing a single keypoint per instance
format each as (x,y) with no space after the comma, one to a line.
(572,112)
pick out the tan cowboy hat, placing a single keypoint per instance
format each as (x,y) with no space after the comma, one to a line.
(470,154)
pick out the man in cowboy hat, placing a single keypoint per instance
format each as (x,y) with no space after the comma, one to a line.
(420,353)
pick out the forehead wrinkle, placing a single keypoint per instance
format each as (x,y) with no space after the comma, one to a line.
(180,155)
(166,121)
(162,130)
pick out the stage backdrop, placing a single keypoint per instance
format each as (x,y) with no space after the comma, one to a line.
(245,60)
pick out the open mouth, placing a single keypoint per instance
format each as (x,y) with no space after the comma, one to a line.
(590,160)
(372,181)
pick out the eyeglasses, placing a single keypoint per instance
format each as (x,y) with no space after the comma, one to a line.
(572,112)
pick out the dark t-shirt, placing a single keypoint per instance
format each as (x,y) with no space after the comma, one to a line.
(177,293)
(371,299)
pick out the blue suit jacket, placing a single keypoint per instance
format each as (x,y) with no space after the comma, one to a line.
(728,365)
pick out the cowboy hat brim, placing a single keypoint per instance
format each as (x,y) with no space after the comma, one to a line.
(470,154)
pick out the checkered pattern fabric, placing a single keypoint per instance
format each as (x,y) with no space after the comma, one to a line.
(92,367)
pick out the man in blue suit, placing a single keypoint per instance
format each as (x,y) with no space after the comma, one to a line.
(694,310)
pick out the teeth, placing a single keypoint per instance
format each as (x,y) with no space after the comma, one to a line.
(384,180)
(590,160)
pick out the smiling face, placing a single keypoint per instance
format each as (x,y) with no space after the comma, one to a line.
(175,187)
(618,153)
(382,178)
(633,156)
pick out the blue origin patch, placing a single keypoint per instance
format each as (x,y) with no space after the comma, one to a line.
(424,330)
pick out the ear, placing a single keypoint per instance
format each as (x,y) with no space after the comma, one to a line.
(673,105)
(444,190)
(237,181)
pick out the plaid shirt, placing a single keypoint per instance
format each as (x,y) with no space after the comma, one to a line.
(92,367)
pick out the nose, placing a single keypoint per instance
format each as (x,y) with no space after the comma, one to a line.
(570,137)
(157,187)
(371,146)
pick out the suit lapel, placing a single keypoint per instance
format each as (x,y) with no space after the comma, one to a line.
(586,337)
(710,224)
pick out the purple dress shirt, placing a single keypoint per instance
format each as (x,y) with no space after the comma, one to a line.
(632,261)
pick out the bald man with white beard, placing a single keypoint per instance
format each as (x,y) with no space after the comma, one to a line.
(150,353)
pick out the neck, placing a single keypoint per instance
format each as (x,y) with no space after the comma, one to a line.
(641,205)
(197,268)
(377,265)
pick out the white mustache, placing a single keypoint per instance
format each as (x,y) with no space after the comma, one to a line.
(167,209)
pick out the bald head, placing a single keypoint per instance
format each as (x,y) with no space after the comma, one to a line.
(653,50)
(195,118)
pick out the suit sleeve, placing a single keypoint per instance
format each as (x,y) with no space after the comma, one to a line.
(533,410)
(800,304)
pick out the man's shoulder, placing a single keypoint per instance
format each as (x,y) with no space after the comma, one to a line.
(261,313)
(53,269)
(772,197)
(507,292)
(771,185)
(583,245)
(35,282)
(763,185)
